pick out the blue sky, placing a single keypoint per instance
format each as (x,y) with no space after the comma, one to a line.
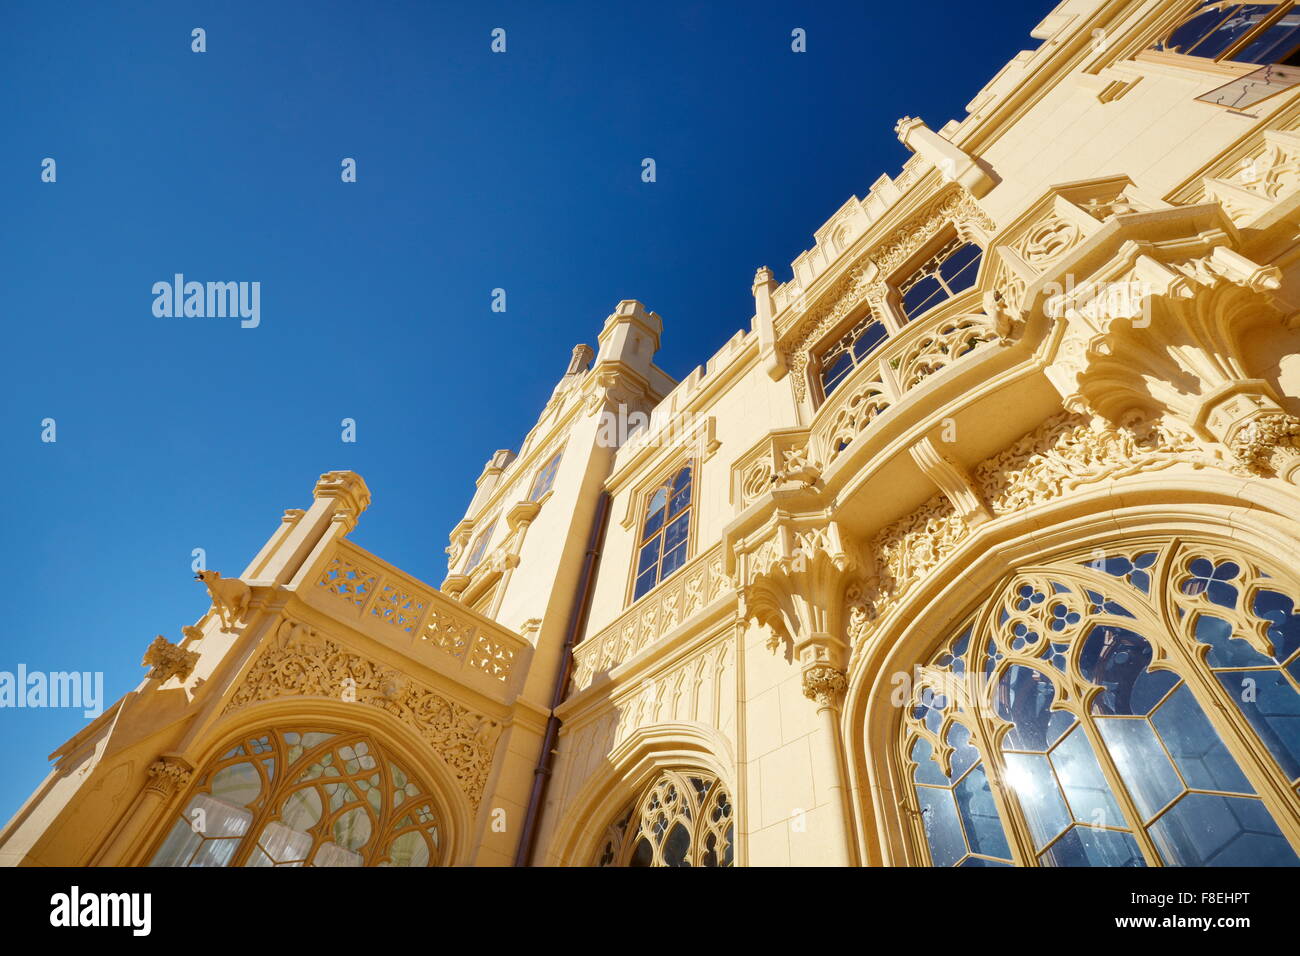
(476,171)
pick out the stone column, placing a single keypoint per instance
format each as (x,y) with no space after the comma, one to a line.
(824,682)
(168,774)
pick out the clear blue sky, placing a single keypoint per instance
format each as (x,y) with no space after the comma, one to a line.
(475,171)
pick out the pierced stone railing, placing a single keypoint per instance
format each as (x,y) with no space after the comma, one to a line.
(688,592)
(362,586)
(921,350)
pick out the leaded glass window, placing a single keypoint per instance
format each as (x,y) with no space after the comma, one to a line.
(479,547)
(683,818)
(842,356)
(1066,724)
(666,532)
(305,798)
(949,271)
(545,479)
(1244,32)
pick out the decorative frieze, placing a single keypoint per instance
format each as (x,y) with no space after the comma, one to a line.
(301,662)
(674,602)
(1066,452)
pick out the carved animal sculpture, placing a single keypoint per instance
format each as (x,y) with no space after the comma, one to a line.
(230,596)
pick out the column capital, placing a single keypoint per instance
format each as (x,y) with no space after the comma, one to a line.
(169,773)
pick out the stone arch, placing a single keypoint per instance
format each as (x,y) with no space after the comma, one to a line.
(1253,516)
(629,769)
(401,742)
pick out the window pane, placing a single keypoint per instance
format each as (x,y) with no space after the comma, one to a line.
(645,582)
(682,479)
(959,269)
(1141,762)
(1194,29)
(1087,846)
(1025,698)
(867,340)
(921,296)
(942,830)
(979,815)
(649,556)
(673,560)
(927,771)
(1030,777)
(1086,790)
(1195,745)
(681,498)
(835,373)
(677,532)
(1242,21)
(1272,706)
(1273,44)
(1207,830)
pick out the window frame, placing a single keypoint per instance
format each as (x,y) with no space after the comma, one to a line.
(1268,780)
(641,540)
(950,237)
(553,465)
(816,365)
(484,538)
(1284,7)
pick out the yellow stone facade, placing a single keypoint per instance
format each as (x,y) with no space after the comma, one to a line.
(788,609)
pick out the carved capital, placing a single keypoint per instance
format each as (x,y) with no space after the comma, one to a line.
(824,684)
(168,774)
(1268,445)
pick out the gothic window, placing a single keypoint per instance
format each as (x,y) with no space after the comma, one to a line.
(479,548)
(1067,724)
(684,818)
(1245,32)
(665,535)
(837,360)
(305,798)
(949,271)
(545,478)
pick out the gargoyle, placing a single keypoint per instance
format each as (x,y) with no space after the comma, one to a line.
(230,596)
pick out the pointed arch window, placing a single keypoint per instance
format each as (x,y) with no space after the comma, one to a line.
(666,531)
(305,797)
(1067,724)
(683,818)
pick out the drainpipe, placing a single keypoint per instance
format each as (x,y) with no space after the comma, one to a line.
(577,621)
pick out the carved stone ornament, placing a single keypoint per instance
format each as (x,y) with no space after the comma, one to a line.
(301,662)
(793,579)
(1160,331)
(1268,445)
(825,684)
(168,660)
(167,775)
(1066,452)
